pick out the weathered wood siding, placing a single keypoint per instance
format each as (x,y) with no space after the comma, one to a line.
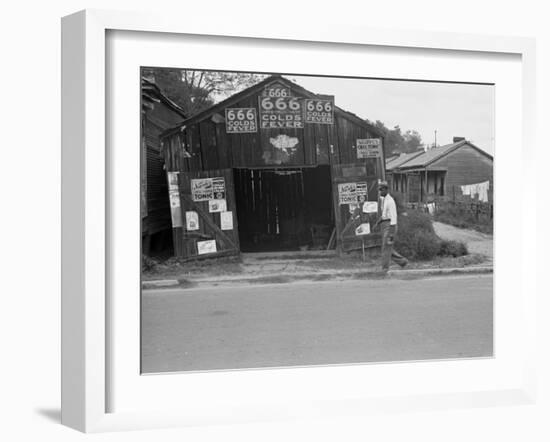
(464,165)
(345,221)
(202,144)
(205,145)
(155,121)
(227,241)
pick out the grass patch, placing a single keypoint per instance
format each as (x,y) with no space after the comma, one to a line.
(175,267)
(459,216)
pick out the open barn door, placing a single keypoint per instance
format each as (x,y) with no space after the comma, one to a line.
(208,215)
(352,189)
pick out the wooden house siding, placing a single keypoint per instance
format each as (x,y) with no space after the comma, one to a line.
(440,172)
(157,116)
(465,165)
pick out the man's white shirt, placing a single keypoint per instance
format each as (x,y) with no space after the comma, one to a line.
(389,209)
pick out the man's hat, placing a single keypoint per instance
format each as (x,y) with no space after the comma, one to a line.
(382,183)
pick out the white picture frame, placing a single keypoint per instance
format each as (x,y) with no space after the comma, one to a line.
(86,210)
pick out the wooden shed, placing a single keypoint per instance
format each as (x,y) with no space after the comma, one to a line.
(274,167)
(158,113)
(440,171)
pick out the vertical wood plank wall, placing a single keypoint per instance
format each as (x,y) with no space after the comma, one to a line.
(203,145)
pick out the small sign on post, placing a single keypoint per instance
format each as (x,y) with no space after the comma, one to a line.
(362,230)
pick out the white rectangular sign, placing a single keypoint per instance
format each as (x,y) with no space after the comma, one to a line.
(192,220)
(204,247)
(217,206)
(241,120)
(205,189)
(370,207)
(369,148)
(226,220)
(363,229)
(319,111)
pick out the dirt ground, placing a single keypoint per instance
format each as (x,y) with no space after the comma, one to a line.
(268,266)
(477,242)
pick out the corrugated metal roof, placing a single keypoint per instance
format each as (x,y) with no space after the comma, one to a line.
(398,161)
(152,93)
(432,154)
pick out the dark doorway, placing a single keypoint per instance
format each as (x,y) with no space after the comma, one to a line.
(284,208)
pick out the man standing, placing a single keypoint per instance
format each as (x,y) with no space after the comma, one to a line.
(388,226)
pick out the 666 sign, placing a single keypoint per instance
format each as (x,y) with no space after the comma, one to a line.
(319,111)
(280,112)
(241,120)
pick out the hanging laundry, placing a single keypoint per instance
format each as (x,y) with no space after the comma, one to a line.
(479,190)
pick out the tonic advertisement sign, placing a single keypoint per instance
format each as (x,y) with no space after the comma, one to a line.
(201,189)
(206,189)
(352,193)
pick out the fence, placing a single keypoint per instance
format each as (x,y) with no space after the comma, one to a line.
(455,209)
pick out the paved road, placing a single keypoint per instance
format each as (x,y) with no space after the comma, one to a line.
(317,323)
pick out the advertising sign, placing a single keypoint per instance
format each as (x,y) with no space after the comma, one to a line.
(276,90)
(241,120)
(363,229)
(172,181)
(204,247)
(370,207)
(346,193)
(201,189)
(191,221)
(280,112)
(226,220)
(215,206)
(369,148)
(205,189)
(175,210)
(361,192)
(218,188)
(352,193)
(319,111)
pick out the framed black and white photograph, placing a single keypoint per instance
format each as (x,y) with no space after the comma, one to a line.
(280,223)
(295,205)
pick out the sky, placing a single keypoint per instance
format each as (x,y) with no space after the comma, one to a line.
(461,110)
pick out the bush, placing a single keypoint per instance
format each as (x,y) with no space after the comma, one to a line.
(453,248)
(416,238)
(459,215)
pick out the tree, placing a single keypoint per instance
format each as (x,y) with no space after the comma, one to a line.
(395,141)
(412,141)
(195,90)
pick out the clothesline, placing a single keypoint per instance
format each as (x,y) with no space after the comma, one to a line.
(479,190)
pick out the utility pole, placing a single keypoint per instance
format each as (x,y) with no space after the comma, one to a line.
(435,138)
